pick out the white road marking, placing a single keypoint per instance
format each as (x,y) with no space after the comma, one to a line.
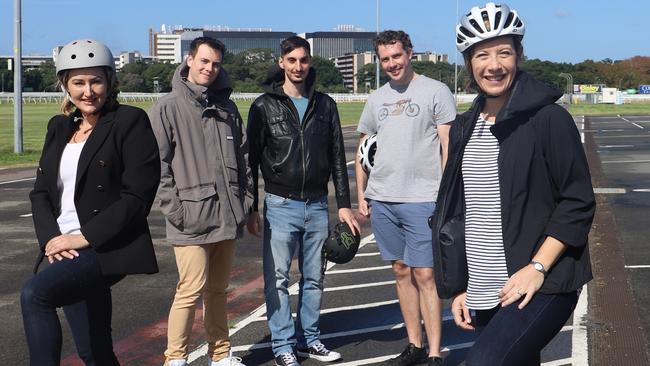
(609,191)
(351,162)
(25,215)
(354,270)
(17,180)
(639,266)
(579,344)
(360,285)
(624,161)
(614,130)
(379,359)
(645,190)
(346,308)
(367,254)
(627,120)
(615,146)
(201,350)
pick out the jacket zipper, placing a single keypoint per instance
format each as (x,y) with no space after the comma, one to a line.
(294,111)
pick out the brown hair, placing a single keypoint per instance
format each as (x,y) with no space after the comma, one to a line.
(67,107)
(467,57)
(213,43)
(391,37)
(293,42)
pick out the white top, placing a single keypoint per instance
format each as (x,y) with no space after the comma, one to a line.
(486,261)
(68,220)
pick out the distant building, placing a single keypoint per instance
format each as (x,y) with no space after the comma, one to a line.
(349,66)
(335,44)
(173,44)
(431,57)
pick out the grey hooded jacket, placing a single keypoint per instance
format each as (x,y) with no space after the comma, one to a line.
(205,187)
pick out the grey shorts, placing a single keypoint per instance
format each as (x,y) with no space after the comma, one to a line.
(402,231)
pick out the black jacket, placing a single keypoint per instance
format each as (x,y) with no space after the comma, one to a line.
(117,177)
(544,182)
(296,157)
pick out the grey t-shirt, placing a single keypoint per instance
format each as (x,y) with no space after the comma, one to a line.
(407,162)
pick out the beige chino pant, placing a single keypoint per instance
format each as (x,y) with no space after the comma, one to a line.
(202,270)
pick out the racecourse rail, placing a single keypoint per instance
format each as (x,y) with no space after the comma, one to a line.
(55,97)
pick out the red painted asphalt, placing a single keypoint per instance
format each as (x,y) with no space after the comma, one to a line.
(146,346)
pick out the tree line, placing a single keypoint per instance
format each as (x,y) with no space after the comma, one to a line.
(249,69)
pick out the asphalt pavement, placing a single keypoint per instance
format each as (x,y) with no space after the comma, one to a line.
(361,317)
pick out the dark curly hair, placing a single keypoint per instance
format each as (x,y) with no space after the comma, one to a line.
(391,37)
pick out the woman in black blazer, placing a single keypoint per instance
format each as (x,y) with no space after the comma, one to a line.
(95,184)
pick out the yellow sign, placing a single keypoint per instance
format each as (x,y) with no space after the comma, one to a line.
(589,89)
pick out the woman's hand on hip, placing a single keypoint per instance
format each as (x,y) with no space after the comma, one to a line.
(65,246)
(523,284)
(460,311)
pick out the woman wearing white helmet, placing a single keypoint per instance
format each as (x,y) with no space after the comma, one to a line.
(515,204)
(95,183)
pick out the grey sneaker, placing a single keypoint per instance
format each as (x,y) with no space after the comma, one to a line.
(319,352)
(286,359)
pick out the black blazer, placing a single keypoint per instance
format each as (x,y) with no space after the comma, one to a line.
(117,178)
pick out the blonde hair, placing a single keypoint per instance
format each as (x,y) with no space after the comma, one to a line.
(67,107)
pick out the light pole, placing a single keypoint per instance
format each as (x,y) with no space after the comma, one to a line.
(18,71)
(569,83)
(377,56)
(456,65)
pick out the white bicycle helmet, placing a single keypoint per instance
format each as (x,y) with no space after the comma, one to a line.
(488,22)
(367,151)
(84,53)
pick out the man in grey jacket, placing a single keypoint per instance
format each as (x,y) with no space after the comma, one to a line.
(205,193)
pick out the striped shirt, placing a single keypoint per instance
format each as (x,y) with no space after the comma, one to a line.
(486,261)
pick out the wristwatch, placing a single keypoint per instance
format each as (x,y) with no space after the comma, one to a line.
(538,267)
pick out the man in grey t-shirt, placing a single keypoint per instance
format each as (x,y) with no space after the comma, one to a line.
(410,115)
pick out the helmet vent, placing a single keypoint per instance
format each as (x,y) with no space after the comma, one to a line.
(497,18)
(466,32)
(73,56)
(486,20)
(91,55)
(476,26)
(508,20)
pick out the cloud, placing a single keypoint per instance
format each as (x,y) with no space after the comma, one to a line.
(561,13)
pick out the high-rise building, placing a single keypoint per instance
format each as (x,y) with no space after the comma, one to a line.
(335,44)
(349,66)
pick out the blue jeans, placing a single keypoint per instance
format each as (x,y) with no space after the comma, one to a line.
(78,286)
(509,336)
(291,225)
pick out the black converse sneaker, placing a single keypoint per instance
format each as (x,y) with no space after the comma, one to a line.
(286,359)
(319,352)
(410,356)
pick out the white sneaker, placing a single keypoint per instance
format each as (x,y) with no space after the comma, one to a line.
(228,361)
(177,362)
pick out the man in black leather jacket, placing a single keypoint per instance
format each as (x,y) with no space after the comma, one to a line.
(295,138)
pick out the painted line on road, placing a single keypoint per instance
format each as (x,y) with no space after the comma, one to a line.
(624,161)
(364,269)
(615,146)
(25,215)
(599,130)
(351,162)
(367,254)
(202,350)
(360,285)
(638,266)
(346,308)
(609,191)
(645,190)
(579,342)
(17,181)
(634,123)
(373,360)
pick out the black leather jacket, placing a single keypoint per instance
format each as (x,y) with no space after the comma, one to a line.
(296,157)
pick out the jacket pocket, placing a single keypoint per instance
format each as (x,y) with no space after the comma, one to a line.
(321,124)
(451,276)
(279,125)
(200,209)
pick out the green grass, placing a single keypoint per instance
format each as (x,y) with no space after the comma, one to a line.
(36,116)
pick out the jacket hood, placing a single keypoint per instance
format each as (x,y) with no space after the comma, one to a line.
(220,89)
(527,94)
(275,80)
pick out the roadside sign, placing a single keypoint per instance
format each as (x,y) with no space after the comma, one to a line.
(644,89)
